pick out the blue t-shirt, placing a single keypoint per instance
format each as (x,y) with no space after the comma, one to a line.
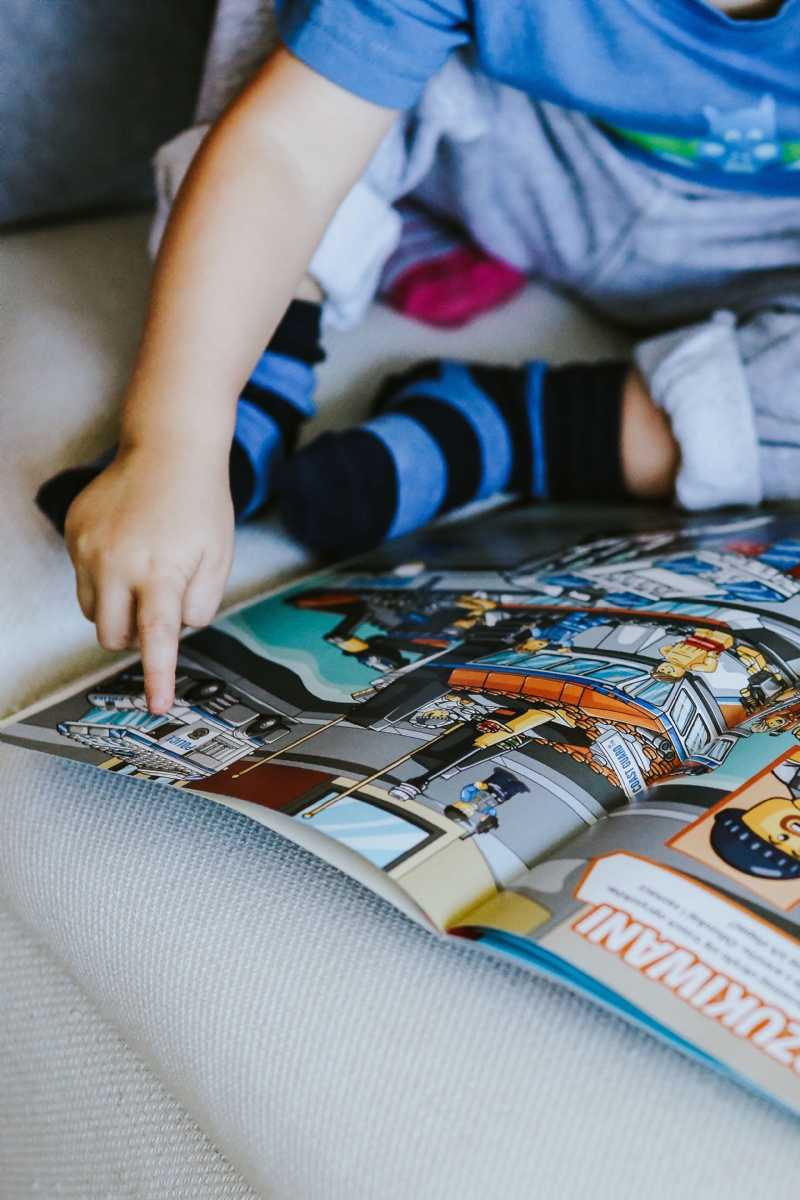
(675,82)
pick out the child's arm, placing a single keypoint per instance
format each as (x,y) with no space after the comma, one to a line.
(152,538)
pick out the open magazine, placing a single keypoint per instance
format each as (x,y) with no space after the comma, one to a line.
(572,736)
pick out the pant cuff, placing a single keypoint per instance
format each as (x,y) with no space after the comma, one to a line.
(696,375)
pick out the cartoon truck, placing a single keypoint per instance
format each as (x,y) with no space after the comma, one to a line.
(206,730)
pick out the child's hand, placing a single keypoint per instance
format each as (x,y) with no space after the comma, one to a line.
(151,540)
(152,537)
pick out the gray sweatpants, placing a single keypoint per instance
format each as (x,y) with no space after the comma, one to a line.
(543,189)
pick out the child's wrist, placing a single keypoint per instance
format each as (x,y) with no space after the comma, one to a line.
(179,423)
(173,451)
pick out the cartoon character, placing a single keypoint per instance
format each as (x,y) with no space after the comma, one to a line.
(446,712)
(741,140)
(702,651)
(478,608)
(785,719)
(531,645)
(763,840)
(378,652)
(775,723)
(699,652)
(476,809)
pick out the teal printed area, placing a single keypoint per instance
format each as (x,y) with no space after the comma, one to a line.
(295,638)
(379,835)
(747,758)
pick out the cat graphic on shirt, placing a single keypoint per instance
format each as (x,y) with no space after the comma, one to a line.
(742,140)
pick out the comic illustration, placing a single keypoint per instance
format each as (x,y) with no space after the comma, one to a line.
(456,722)
(587,758)
(753,836)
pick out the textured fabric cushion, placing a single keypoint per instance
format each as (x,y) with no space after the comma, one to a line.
(333,1050)
(81,1116)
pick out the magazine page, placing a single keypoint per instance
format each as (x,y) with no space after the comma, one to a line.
(446,713)
(682,910)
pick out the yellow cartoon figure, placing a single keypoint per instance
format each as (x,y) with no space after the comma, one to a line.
(699,652)
(477,607)
(531,645)
(784,720)
(763,840)
(775,723)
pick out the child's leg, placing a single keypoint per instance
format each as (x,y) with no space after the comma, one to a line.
(698,377)
(769,346)
(712,415)
(448,434)
(274,403)
(731,390)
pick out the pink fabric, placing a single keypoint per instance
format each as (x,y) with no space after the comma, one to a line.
(453,288)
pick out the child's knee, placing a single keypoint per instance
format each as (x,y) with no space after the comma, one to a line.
(696,376)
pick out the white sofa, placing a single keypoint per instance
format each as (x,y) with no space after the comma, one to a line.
(192,1007)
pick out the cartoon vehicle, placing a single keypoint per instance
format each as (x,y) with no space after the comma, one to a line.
(206,729)
(636,693)
(636,723)
(476,809)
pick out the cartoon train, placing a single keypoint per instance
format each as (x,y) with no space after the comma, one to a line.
(636,696)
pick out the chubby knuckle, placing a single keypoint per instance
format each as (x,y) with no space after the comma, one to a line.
(112,640)
(101,557)
(199,615)
(78,542)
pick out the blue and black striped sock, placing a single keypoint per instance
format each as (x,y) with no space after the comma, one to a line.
(447,434)
(274,403)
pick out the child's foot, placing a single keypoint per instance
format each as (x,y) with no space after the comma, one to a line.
(440,278)
(273,405)
(448,434)
(56,495)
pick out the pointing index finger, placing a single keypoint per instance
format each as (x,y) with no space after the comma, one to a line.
(158,621)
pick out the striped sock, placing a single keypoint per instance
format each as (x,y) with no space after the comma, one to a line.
(448,434)
(276,400)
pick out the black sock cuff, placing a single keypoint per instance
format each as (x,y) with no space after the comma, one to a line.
(339,493)
(582,411)
(56,495)
(298,334)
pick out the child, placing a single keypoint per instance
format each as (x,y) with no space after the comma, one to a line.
(640,153)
